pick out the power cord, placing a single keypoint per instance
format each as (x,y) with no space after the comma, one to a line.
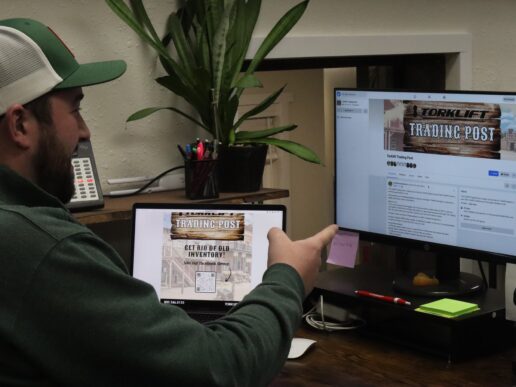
(318,319)
(148,184)
(483,274)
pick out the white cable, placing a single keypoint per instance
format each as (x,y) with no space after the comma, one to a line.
(318,321)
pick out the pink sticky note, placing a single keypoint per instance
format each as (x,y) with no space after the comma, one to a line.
(343,249)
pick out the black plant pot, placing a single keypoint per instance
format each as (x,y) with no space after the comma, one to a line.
(240,168)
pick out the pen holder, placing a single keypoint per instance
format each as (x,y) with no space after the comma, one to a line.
(201,179)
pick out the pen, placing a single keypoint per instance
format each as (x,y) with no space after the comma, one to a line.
(183,153)
(200,150)
(395,300)
(207,149)
(188,151)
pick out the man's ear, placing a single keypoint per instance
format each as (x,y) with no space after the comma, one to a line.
(20,126)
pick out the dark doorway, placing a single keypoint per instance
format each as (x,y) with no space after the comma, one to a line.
(415,72)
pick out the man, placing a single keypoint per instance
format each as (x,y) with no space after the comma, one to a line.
(70,312)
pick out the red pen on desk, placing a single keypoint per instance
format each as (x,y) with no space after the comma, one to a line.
(395,300)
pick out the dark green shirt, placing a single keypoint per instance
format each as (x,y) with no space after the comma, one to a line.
(70,314)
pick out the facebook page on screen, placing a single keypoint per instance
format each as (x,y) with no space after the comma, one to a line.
(436,167)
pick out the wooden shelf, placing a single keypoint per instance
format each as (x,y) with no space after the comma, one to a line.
(117,209)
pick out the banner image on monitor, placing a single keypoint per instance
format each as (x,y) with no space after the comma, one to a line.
(452,128)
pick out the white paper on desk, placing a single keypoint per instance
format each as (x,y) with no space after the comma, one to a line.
(510,286)
(343,249)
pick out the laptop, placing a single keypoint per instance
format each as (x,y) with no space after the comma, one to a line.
(203,258)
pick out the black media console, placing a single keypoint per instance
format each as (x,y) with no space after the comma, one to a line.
(466,336)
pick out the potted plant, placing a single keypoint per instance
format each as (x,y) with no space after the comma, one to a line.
(210,40)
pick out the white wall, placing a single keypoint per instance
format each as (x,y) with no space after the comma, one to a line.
(93,33)
(147,147)
(491,24)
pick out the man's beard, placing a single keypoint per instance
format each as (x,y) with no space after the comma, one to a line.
(53,166)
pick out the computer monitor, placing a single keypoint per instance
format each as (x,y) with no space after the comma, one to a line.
(434,171)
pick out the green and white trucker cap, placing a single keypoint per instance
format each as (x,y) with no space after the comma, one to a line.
(34,60)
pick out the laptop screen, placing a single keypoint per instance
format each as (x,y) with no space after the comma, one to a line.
(202,256)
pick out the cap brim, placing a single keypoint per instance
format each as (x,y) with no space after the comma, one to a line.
(94,73)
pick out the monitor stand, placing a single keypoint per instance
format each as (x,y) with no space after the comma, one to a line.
(452,282)
(460,338)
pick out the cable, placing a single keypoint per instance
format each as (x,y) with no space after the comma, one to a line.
(148,183)
(484,278)
(318,320)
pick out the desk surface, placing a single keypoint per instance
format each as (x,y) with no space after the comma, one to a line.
(348,359)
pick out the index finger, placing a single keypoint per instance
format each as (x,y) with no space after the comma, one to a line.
(275,232)
(324,236)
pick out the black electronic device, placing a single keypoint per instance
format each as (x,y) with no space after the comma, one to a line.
(203,258)
(472,334)
(88,194)
(433,171)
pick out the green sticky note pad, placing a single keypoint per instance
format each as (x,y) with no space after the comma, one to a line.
(447,307)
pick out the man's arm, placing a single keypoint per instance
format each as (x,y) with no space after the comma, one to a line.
(86,322)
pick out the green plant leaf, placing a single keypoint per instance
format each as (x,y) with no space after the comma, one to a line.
(241,33)
(278,32)
(219,47)
(228,115)
(242,22)
(186,68)
(292,147)
(256,134)
(199,102)
(212,11)
(203,52)
(248,80)
(148,111)
(193,24)
(260,107)
(182,46)
(143,17)
(211,39)
(125,13)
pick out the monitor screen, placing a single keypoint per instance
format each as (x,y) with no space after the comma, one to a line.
(433,170)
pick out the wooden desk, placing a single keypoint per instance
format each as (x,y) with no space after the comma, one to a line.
(348,359)
(119,209)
